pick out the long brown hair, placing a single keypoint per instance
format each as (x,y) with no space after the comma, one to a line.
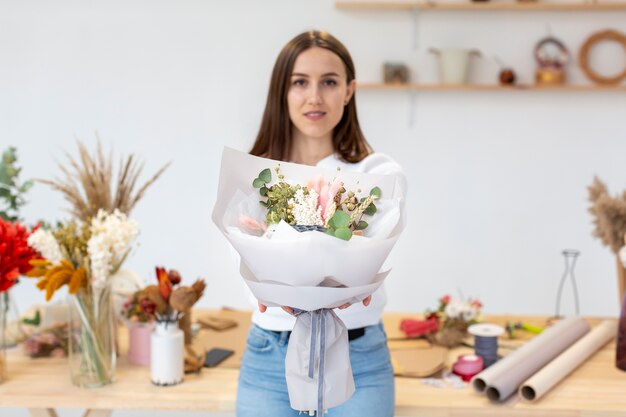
(274,138)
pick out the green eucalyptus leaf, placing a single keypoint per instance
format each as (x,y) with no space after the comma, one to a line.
(330,231)
(258,183)
(370,210)
(376,191)
(362,225)
(26,186)
(343,233)
(340,219)
(266,175)
(263,191)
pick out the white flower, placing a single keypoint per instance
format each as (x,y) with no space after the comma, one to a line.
(305,209)
(454,309)
(43,241)
(110,242)
(469,312)
(622,255)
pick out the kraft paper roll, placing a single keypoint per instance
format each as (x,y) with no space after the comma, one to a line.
(555,371)
(503,378)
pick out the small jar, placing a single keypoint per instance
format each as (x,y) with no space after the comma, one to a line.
(167,344)
(139,335)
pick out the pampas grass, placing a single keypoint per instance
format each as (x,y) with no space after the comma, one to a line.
(609,214)
(88,180)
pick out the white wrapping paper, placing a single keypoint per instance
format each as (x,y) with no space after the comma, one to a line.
(311,270)
(503,378)
(540,383)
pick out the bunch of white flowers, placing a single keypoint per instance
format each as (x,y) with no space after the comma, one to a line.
(45,243)
(305,208)
(466,311)
(111,238)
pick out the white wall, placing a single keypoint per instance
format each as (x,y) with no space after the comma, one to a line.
(497,179)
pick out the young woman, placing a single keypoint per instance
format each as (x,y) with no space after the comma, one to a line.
(310,118)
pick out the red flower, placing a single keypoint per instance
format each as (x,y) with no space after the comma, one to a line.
(445,299)
(477,304)
(165,285)
(15,253)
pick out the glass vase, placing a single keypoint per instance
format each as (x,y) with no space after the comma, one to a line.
(92,353)
(569,256)
(4,312)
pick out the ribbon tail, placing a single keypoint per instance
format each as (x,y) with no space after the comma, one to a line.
(313,347)
(322,354)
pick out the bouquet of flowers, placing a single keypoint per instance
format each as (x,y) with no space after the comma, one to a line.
(86,252)
(49,342)
(286,261)
(166,301)
(454,316)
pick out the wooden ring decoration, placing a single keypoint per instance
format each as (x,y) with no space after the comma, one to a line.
(583,56)
(545,60)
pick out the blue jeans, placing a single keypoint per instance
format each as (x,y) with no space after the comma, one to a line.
(262,388)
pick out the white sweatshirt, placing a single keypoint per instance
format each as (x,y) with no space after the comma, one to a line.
(357,315)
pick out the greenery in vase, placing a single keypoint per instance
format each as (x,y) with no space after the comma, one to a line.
(12,190)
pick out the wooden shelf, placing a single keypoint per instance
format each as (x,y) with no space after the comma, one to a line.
(488,5)
(487,87)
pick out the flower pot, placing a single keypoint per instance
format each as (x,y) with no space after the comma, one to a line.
(139,335)
(92,328)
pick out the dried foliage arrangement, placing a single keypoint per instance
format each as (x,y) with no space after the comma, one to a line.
(88,182)
(609,214)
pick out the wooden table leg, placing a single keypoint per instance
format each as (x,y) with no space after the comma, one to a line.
(42,412)
(98,413)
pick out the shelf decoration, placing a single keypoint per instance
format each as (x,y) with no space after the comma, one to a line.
(552,56)
(395,73)
(585,51)
(454,64)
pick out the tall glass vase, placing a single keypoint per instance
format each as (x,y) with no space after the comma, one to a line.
(4,312)
(92,353)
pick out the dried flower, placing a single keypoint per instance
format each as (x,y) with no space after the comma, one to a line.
(317,204)
(109,244)
(88,184)
(305,209)
(609,215)
(45,243)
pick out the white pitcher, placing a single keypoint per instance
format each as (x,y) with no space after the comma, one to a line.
(454,64)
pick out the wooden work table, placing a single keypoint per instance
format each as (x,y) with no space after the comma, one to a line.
(597,388)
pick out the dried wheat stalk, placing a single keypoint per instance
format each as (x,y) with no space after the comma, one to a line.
(87,182)
(609,215)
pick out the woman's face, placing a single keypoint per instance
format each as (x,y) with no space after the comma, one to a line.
(318,92)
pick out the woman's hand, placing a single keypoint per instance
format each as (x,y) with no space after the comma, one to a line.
(366,301)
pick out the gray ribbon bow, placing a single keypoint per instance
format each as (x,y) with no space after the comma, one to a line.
(317,316)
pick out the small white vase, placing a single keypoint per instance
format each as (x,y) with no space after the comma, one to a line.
(167,344)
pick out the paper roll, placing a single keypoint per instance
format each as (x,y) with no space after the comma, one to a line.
(555,371)
(502,379)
